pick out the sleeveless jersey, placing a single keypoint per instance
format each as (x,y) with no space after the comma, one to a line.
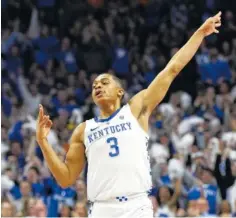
(117,155)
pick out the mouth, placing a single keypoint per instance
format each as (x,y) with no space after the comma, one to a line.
(98,93)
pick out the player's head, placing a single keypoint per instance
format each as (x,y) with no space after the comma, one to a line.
(107,88)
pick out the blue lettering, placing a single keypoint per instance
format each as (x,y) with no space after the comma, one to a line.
(129,125)
(117,128)
(100,132)
(106,130)
(112,129)
(90,138)
(95,135)
(123,126)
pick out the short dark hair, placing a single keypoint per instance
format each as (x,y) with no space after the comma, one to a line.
(118,81)
(207,169)
(120,84)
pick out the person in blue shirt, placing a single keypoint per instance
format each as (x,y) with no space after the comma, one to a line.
(208,190)
(33,176)
(216,70)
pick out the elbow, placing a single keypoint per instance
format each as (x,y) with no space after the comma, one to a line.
(175,67)
(64,184)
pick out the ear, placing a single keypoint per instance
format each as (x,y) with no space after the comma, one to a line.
(121,93)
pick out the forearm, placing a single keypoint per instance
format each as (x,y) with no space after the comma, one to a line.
(177,192)
(57,167)
(23,89)
(31,150)
(186,53)
(160,85)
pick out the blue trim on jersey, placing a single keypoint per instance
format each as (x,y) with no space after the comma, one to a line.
(121,199)
(107,119)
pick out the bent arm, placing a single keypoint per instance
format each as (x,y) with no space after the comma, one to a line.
(177,193)
(68,171)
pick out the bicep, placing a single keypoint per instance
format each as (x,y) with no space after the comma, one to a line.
(146,100)
(136,103)
(158,89)
(143,103)
(75,157)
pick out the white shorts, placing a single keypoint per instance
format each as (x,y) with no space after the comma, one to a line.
(140,207)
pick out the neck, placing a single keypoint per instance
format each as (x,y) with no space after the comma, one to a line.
(108,109)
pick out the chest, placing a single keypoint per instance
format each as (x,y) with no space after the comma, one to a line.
(118,139)
(101,132)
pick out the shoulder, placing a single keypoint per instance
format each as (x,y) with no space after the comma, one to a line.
(139,96)
(78,133)
(136,103)
(80,128)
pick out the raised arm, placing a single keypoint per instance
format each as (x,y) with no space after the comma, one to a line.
(177,193)
(148,99)
(68,171)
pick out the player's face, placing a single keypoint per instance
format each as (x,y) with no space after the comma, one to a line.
(105,89)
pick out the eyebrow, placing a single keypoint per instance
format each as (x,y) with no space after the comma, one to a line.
(101,80)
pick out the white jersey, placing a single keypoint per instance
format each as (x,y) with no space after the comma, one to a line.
(118,161)
(164,211)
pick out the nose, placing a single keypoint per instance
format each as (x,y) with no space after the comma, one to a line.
(98,86)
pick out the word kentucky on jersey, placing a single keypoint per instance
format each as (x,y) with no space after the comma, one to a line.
(96,135)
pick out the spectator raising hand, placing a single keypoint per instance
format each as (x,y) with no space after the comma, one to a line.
(51,54)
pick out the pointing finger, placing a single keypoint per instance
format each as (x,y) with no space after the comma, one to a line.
(218,14)
(41,113)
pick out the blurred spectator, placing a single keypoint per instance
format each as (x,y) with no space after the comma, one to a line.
(216,70)
(40,209)
(209,190)
(79,210)
(225,209)
(167,200)
(51,53)
(7,209)
(65,211)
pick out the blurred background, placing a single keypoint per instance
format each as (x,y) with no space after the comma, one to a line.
(51,52)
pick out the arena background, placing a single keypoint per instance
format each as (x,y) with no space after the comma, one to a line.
(51,52)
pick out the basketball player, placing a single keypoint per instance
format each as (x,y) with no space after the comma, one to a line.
(115,143)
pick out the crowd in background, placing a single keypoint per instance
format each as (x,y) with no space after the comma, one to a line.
(51,52)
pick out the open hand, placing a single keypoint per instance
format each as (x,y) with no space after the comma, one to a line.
(44,125)
(211,24)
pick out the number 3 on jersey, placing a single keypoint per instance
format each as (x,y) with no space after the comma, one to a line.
(114,147)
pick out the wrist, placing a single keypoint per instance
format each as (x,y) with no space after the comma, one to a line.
(42,141)
(201,32)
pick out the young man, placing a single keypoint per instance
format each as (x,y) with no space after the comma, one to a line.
(115,143)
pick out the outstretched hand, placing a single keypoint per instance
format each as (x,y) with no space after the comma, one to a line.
(211,24)
(44,125)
